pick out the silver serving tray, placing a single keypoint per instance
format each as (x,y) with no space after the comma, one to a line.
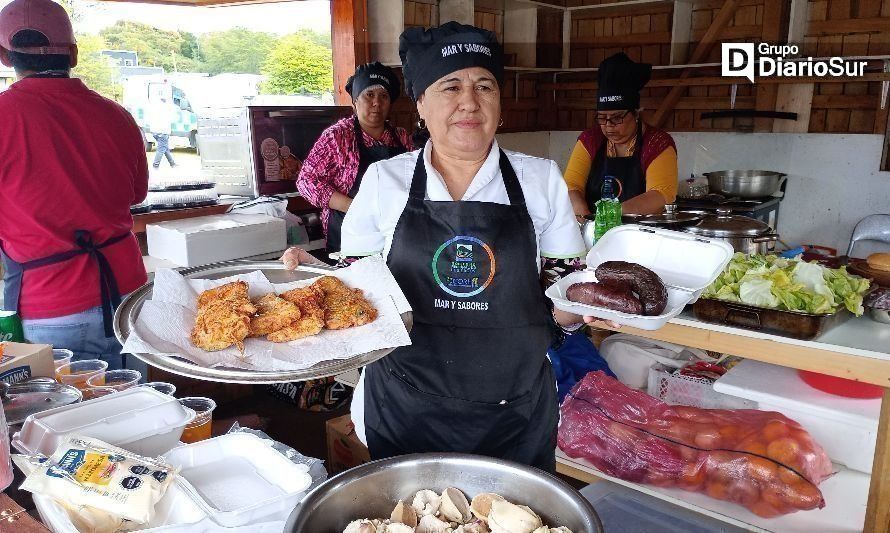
(128,311)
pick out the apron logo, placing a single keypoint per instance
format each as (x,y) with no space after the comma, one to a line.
(459,271)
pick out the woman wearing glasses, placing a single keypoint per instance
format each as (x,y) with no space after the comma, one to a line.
(642,158)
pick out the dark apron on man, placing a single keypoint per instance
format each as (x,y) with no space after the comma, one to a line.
(366,157)
(627,170)
(475,378)
(13,272)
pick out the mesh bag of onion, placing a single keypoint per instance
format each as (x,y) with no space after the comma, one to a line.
(760,460)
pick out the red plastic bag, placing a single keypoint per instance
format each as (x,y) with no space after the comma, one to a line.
(760,460)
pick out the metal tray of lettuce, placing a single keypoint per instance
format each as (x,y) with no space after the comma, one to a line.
(126,314)
(795,324)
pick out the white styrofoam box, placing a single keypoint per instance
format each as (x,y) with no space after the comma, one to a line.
(211,239)
(239,479)
(141,420)
(686,264)
(845,427)
(176,512)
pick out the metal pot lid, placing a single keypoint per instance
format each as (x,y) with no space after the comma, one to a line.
(667,219)
(26,398)
(725,224)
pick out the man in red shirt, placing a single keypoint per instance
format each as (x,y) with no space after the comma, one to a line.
(71,165)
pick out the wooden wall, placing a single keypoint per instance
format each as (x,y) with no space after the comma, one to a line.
(567,100)
(849,28)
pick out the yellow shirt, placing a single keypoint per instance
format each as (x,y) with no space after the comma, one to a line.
(661,175)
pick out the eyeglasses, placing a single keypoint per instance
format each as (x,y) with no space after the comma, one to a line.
(614,120)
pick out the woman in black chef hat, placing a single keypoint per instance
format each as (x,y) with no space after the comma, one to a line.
(642,158)
(332,172)
(464,227)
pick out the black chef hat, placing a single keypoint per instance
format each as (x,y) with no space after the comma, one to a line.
(620,81)
(371,74)
(428,55)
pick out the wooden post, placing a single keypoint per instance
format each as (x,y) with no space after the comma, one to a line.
(797,98)
(349,41)
(682,31)
(457,10)
(767,95)
(521,32)
(877,515)
(386,21)
(701,51)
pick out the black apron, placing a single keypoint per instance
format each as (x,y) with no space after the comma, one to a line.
(627,170)
(366,156)
(13,272)
(476,378)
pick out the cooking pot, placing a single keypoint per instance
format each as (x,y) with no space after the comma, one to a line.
(671,218)
(746,183)
(745,234)
(372,491)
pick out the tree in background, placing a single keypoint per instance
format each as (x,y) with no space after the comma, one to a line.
(237,50)
(190,47)
(96,70)
(298,66)
(155,47)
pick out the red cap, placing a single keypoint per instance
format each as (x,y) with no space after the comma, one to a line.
(44,16)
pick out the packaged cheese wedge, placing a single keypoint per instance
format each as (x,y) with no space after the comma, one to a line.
(86,472)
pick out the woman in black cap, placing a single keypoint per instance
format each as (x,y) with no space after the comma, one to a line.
(332,172)
(464,227)
(642,158)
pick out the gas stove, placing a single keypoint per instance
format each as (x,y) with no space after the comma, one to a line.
(763,209)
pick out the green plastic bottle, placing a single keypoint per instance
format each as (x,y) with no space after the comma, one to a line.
(608,209)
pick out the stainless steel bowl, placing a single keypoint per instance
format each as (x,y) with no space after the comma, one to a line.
(745,183)
(372,491)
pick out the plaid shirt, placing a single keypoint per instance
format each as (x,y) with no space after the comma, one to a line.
(333,163)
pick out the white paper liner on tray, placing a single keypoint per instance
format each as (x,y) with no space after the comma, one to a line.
(165,322)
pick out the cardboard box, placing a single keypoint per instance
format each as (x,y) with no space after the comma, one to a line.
(345,450)
(203,240)
(22,361)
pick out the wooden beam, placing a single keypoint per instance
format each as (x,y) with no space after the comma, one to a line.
(767,95)
(699,103)
(612,41)
(719,80)
(349,41)
(681,34)
(820,28)
(877,514)
(701,51)
(796,98)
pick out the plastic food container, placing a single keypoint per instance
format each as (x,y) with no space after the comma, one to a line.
(687,264)
(846,428)
(624,509)
(140,420)
(239,479)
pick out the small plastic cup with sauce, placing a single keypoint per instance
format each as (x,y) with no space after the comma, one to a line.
(199,428)
(61,357)
(76,373)
(97,392)
(161,386)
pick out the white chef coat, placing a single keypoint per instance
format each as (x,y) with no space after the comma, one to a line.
(371,220)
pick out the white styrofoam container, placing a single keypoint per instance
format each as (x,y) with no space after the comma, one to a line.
(176,512)
(686,263)
(845,427)
(211,239)
(141,420)
(239,479)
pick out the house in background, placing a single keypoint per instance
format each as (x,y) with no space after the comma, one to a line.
(126,63)
(123,58)
(7,77)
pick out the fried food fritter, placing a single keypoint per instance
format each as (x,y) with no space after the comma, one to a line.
(309,300)
(274,314)
(220,324)
(223,317)
(344,307)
